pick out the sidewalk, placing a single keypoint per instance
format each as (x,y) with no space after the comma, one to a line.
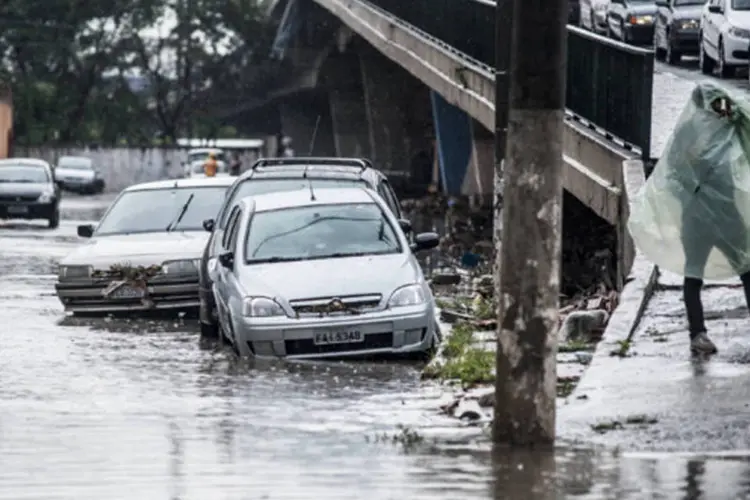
(657,397)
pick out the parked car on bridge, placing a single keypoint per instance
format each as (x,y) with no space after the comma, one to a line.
(145,252)
(724,36)
(677,29)
(28,191)
(322,273)
(631,21)
(77,174)
(593,15)
(271,175)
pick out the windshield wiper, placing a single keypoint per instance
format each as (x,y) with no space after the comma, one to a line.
(179,217)
(271,260)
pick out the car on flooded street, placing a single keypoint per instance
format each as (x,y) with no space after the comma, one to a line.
(77,174)
(322,273)
(270,175)
(144,253)
(631,21)
(28,191)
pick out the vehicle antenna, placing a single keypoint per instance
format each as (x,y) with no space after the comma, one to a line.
(314,136)
(312,193)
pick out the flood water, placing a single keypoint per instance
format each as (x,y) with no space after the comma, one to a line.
(98,409)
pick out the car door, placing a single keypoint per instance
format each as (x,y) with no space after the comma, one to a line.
(220,285)
(710,24)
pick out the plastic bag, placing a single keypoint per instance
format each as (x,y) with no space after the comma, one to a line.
(693,215)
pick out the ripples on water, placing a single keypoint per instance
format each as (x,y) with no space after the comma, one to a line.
(117,409)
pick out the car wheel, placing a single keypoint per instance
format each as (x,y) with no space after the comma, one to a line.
(209,331)
(54,221)
(673,56)
(705,63)
(725,71)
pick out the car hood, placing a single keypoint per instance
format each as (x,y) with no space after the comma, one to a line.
(138,249)
(740,19)
(23,188)
(74,173)
(376,274)
(642,9)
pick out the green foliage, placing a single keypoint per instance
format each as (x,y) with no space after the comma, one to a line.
(461,359)
(69,63)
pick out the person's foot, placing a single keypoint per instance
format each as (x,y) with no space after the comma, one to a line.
(701,344)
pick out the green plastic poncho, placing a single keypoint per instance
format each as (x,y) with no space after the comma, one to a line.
(693,215)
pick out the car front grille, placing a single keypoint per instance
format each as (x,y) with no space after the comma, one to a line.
(319,306)
(307,346)
(18,198)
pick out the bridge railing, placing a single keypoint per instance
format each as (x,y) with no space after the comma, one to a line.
(609,83)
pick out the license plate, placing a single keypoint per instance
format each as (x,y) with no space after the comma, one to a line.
(339,337)
(127,292)
(18,210)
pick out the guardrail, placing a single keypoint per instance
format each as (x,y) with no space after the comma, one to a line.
(609,83)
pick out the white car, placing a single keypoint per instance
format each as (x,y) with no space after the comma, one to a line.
(725,35)
(198,156)
(145,252)
(594,15)
(77,173)
(196,170)
(328,273)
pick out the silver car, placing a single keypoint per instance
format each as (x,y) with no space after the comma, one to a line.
(145,251)
(323,273)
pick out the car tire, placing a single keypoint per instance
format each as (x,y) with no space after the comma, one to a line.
(673,56)
(705,63)
(54,221)
(725,71)
(210,331)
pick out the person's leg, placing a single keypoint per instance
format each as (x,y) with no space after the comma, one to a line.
(697,247)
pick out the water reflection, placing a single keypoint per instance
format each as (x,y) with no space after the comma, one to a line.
(527,474)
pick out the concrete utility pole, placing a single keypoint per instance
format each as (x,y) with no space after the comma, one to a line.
(503,46)
(530,260)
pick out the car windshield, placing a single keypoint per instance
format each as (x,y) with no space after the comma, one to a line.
(252,187)
(75,163)
(24,173)
(155,210)
(320,232)
(740,4)
(197,167)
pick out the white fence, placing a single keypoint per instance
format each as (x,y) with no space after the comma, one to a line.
(122,167)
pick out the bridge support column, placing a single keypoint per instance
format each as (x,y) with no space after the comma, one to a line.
(342,76)
(465,150)
(299,114)
(387,87)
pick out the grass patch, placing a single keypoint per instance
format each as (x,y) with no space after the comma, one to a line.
(566,385)
(462,360)
(575,346)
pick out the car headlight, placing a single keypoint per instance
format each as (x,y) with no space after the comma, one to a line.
(689,24)
(181,266)
(46,197)
(409,295)
(641,19)
(739,32)
(261,307)
(74,272)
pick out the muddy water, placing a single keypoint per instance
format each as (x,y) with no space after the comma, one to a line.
(95,409)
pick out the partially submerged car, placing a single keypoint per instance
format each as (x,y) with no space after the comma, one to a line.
(145,251)
(322,273)
(77,174)
(271,175)
(28,191)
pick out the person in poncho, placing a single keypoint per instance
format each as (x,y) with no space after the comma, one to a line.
(693,217)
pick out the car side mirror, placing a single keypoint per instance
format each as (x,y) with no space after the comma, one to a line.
(715,9)
(425,241)
(208,225)
(227,260)
(86,231)
(405,225)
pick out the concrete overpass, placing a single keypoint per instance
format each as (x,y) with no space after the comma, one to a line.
(380,85)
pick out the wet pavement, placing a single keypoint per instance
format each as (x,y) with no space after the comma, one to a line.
(117,409)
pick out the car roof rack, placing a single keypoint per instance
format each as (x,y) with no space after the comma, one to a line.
(313,161)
